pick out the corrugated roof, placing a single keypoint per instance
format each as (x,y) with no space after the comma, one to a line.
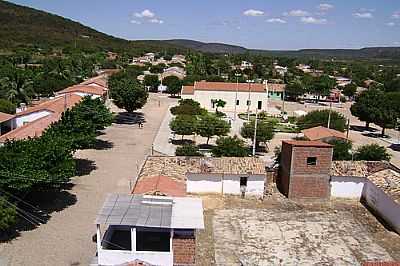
(307,143)
(318,133)
(5,117)
(152,211)
(160,186)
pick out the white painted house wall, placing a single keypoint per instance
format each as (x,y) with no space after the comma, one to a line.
(21,120)
(205,97)
(81,94)
(347,187)
(226,184)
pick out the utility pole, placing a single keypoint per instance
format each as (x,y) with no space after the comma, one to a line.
(249,101)
(329,117)
(236,95)
(266,85)
(255,135)
(348,129)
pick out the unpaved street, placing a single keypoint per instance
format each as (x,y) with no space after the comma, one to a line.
(66,239)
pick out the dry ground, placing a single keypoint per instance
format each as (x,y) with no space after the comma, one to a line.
(277,231)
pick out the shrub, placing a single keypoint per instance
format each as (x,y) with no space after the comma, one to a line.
(230,147)
(8,214)
(7,107)
(341,150)
(188,150)
(320,118)
(188,107)
(372,152)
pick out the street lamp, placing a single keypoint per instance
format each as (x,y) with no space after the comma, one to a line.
(237,75)
(249,81)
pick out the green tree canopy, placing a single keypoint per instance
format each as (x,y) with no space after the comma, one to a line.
(8,214)
(320,118)
(184,125)
(372,152)
(294,89)
(230,147)
(188,150)
(188,107)
(321,86)
(174,85)
(210,125)
(265,131)
(126,92)
(350,89)
(341,150)
(7,107)
(367,106)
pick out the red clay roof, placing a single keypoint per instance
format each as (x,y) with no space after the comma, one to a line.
(160,185)
(56,105)
(99,80)
(381,263)
(188,90)
(5,117)
(307,143)
(318,133)
(32,129)
(229,86)
(276,87)
(84,89)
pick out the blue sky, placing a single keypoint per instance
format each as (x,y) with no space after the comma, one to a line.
(264,24)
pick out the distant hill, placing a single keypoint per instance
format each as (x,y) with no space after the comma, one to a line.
(22,26)
(218,48)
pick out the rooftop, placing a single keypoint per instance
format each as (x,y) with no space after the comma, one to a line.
(5,117)
(96,90)
(307,143)
(160,186)
(187,90)
(176,167)
(152,211)
(99,80)
(318,133)
(229,86)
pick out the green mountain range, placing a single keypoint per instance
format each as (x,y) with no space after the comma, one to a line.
(27,27)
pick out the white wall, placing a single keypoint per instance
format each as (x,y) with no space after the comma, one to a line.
(347,187)
(20,120)
(205,97)
(211,183)
(116,257)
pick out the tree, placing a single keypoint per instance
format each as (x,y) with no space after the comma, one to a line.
(230,147)
(151,82)
(372,152)
(341,150)
(389,112)
(188,150)
(218,103)
(265,131)
(184,125)
(320,118)
(8,214)
(210,125)
(157,69)
(174,85)
(321,86)
(126,92)
(294,89)
(7,106)
(350,90)
(188,107)
(367,106)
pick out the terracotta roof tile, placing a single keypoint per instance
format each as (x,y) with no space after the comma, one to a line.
(318,133)
(5,117)
(381,263)
(307,143)
(99,80)
(84,89)
(187,90)
(229,86)
(276,87)
(160,185)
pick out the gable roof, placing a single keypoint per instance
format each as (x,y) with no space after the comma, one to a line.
(94,90)
(187,90)
(229,86)
(156,185)
(318,133)
(99,80)
(5,117)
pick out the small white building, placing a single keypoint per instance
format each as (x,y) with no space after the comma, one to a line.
(281,70)
(246,65)
(238,96)
(342,81)
(151,229)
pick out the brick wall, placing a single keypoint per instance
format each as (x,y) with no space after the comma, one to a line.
(284,169)
(184,250)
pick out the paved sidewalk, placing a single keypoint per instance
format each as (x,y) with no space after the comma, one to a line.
(162,142)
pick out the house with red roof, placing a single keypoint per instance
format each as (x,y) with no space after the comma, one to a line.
(5,123)
(323,134)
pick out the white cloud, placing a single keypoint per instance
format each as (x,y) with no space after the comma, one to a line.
(390,24)
(312,20)
(253,13)
(276,20)
(156,21)
(363,15)
(136,22)
(325,7)
(396,15)
(145,14)
(296,13)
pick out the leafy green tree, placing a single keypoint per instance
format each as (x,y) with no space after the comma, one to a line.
(8,214)
(184,125)
(218,103)
(320,118)
(126,92)
(95,111)
(372,152)
(151,82)
(188,150)
(350,90)
(157,69)
(341,150)
(294,89)
(265,131)
(389,112)
(7,106)
(210,125)
(230,147)
(174,85)
(321,86)
(187,107)
(367,106)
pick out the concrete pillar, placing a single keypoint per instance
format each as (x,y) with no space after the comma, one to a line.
(133,239)
(98,236)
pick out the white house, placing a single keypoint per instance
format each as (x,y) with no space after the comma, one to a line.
(151,229)
(342,81)
(281,70)
(238,96)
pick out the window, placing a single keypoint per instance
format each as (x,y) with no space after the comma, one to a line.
(237,102)
(248,102)
(243,181)
(259,105)
(311,160)
(119,240)
(158,241)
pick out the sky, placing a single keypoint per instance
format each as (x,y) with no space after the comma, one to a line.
(261,24)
